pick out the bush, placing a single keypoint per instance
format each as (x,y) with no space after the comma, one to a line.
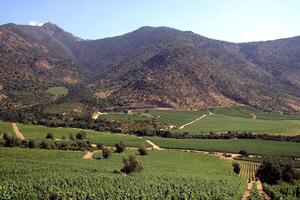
(131,164)
(11,141)
(44,145)
(268,172)
(120,147)
(105,153)
(244,153)
(81,135)
(49,136)
(287,173)
(143,151)
(71,136)
(63,137)
(32,144)
(236,168)
(99,146)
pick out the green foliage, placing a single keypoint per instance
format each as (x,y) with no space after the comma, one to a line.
(58,91)
(80,135)
(120,147)
(132,164)
(49,136)
(181,176)
(32,144)
(236,167)
(268,172)
(106,153)
(255,194)
(283,191)
(143,151)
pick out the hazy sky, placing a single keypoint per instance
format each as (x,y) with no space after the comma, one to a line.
(230,20)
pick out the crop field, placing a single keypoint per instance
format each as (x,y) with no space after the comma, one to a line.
(263,147)
(219,120)
(51,174)
(6,127)
(248,169)
(224,123)
(39,132)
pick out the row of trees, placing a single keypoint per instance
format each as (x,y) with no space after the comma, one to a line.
(228,135)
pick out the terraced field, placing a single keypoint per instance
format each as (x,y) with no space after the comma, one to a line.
(181,175)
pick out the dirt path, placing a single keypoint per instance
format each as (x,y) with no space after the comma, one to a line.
(88,155)
(19,135)
(262,194)
(253,115)
(181,127)
(154,146)
(210,113)
(248,192)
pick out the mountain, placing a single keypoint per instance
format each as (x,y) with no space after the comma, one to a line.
(159,66)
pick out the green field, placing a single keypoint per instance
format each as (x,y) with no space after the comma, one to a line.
(58,91)
(39,132)
(224,123)
(6,127)
(48,174)
(264,147)
(223,120)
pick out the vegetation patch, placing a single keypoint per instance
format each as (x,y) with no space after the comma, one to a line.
(58,91)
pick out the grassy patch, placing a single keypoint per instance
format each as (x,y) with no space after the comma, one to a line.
(58,91)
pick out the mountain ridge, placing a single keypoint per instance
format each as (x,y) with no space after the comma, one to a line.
(181,69)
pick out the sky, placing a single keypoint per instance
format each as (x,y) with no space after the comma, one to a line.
(229,20)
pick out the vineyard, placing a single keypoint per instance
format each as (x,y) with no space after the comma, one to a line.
(51,174)
(248,169)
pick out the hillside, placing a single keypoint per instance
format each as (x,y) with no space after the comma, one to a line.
(160,66)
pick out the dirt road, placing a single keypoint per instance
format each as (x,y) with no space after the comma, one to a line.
(154,146)
(19,135)
(181,127)
(88,155)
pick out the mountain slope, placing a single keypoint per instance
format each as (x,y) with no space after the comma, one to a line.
(160,65)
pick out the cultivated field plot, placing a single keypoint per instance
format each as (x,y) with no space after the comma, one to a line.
(166,175)
(6,127)
(263,147)
(109,139)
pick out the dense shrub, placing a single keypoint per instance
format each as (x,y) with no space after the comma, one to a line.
(105,153)
(11,141)
(120,147)
(49,136)
(32,144)
(244,153)
(236,167)
(131,164)
(81,135)
(99,146)
(143,151)
(71,136)
(268,172)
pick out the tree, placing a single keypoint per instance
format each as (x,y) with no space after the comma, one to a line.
(143,151)
(236,168)
(81,135)
(268,172)
(32,144)
(71,136)
(244,153)
(287,173)
(131,164)
(120,147)
(105,153)
(49,136)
